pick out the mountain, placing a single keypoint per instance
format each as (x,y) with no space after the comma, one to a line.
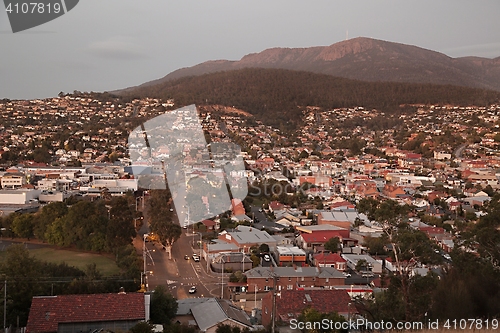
(364,59)
(278,96)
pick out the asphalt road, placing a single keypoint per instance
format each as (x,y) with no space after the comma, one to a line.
(179,274)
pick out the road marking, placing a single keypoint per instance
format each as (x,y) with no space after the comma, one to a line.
(195,272)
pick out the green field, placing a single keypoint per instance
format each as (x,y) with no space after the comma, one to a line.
(105,265)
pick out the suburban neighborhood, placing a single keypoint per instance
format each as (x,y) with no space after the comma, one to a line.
(334,211)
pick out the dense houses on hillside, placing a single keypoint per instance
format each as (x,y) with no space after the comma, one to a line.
(443,162)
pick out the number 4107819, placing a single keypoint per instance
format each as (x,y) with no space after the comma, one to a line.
(33,8)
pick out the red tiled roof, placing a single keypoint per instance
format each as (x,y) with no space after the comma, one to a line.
(324,301)
(208,223)
(48,311)
(320,236)
(328,257)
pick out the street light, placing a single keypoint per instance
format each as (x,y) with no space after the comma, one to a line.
(222,280)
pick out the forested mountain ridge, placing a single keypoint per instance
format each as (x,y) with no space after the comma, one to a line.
(277,96)
(364,59)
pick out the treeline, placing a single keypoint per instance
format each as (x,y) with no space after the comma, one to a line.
(27,276)
(467,287)
(276,96)
(98,226)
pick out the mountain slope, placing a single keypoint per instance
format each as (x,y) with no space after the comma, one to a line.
(367,60)
(277,96)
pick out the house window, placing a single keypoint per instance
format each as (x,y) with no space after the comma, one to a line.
(289,287)
(302,278)
(289,279)
(326,280)
(267,288)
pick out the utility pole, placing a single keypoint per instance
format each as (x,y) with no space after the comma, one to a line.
(222,280)
(273,312)
(5,305)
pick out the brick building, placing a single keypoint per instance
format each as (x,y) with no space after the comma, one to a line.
(293,278)
(291,303)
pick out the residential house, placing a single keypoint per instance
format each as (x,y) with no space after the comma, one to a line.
(232,261)
(289,304)
(327,259)
(208,313)
(292,278)
(245,237)
(83,313)
(290,255)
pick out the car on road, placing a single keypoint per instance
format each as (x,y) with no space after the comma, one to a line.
(267,257)
(186,257)
(196,258)
(192,290)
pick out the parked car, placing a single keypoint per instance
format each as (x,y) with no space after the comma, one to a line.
(267,257)
(196,258)
(192,290)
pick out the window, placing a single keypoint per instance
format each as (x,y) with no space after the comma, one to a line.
(267,288)
(302,278)
(289,287)
(326,280)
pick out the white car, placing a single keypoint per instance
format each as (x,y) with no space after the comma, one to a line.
(192,290)
(196,258)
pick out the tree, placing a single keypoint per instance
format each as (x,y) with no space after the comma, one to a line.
(361,265)
(409,248)
(23,275)
(168,234)
(376,245)
(142,327)
(163,306)
(333,244)
(23,225)
(120,229)
(263,248)
(47,216)
(312,316)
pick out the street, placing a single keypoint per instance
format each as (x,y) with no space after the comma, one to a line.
(178,274)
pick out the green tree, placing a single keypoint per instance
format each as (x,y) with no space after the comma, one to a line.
(47,216)
(361,265)
(23,225)
(120,229)
(142,327)
(312,315)
(163,306)
(23,275)
(333,244)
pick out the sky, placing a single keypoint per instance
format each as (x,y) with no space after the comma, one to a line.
(104,45)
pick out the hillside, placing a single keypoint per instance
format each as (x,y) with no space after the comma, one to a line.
(277,96)
(367,60)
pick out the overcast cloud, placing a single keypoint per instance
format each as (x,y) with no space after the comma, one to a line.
(111,44)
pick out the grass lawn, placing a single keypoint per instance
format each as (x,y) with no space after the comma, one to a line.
(105,265)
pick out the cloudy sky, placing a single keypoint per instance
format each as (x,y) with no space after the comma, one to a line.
(110,44)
